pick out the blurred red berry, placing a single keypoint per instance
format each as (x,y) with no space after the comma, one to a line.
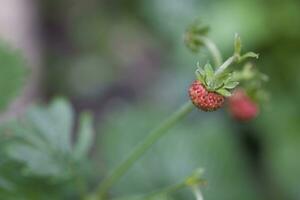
(204,99)
(241,107)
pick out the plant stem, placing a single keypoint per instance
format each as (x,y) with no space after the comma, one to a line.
(213,49)
(153,137)
(168,190)
(197,192)
(226,64)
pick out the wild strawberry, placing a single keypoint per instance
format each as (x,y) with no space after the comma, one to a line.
(203,99)
(208,92)
(241,106)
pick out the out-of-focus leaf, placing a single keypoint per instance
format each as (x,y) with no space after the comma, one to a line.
(224,92)
(37,150)
(43,140)
(85,136)
(5,184)
(37,161)
(54,123)
(231,85)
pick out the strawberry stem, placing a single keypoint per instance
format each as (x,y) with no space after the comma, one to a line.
(213,49)
(167,191)
(152,138)
(197,192)
(226,64)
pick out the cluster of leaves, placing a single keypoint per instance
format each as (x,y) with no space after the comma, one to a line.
(37,154)
(215,80)
(254,82)
(220,84)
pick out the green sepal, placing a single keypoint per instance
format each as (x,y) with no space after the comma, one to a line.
(224,92)
(222,80)
(248,55)
(200,73)
(200,76)
(217,85)
(209,72)
(200,70)
(231,85)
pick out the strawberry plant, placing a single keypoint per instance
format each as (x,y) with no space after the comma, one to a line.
(38,148)
(208,92)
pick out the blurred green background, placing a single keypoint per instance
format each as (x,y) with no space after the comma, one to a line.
(126,62)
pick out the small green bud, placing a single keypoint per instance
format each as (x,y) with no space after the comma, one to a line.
(193,34)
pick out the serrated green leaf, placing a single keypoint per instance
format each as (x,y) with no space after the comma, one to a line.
(85,136)
(42,123)
(224,92)
(36,161)
(41,141)
(54,124)
(26,133)
(12,75)
(231,85)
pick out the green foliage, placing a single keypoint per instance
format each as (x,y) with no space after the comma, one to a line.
(37,150)
(12,75)
(200,141)
(219,80)
(220,84)
(273,29)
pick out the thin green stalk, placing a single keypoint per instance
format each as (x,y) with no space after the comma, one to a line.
(226,64)
(197,192)
(153,137)
(214,51)
(167,191)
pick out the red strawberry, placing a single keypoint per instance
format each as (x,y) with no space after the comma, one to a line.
(204,99)
(241,106)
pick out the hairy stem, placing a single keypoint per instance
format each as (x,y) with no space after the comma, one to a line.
(153,137)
